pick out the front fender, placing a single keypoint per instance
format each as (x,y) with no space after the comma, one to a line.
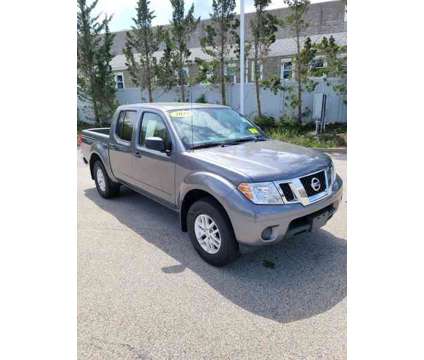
(237,207)
(211,183)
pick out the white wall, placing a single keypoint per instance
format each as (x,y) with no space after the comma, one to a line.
(271,104)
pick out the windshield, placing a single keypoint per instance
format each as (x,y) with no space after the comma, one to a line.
(208,127)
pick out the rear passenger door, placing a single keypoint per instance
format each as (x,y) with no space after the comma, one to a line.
(120,148)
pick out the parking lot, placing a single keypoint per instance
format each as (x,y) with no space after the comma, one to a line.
(144,293)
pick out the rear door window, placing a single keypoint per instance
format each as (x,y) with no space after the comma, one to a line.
(125,124)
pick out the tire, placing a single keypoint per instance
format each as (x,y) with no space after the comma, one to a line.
(209,210)
(105,187)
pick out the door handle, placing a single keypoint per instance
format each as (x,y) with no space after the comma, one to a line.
(137,154)
(113,147)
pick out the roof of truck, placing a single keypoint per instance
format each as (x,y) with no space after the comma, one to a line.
(167,106)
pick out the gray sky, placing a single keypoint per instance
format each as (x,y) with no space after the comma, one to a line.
(124,10)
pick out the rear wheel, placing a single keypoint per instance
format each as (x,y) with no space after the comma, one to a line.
(211,233)
(105,186)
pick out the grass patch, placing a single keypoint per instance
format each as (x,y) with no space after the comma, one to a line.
(308,140)
(290,131)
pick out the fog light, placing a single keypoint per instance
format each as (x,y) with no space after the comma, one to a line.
(267,233)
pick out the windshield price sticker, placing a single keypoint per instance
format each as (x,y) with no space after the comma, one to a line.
(180,114)
(253,131)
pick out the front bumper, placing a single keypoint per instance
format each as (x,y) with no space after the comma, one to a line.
(250,220)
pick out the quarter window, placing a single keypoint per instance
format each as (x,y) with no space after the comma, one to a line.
(153,126)
(125,125)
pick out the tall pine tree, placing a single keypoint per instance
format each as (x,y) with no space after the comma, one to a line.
(335,66)
(94,73)
(295,22)
(305,74)
(142,42)
(220,39)
(181,28)
(165,72)
(263,27)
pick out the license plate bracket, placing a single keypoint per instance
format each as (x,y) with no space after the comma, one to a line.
(319,220)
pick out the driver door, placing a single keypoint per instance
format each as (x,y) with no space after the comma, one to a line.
(154,171)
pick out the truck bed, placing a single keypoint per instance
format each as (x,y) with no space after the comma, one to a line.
(94,138)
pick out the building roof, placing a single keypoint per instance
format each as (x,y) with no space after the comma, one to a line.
(323,18)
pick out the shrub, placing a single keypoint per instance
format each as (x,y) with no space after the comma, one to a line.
(202,99)
(292,126)
(264,122)
(327,140)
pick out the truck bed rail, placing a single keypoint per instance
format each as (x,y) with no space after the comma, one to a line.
(96,133)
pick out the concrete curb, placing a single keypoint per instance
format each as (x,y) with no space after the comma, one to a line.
(341,150)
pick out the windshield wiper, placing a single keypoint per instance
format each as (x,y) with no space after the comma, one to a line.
(206,145)
(246,139)
(228,143)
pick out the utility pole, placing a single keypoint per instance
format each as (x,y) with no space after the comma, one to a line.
(242,72)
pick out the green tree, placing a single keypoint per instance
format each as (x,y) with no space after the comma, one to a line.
(94,74)
(263,27)
(295,22)
(304,75)
(219,40)
(176,40)
(165,71)
(335,68)
(142,42)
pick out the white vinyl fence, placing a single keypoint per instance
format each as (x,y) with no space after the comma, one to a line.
(272,105)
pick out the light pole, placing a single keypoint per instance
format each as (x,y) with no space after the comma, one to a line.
(242,72)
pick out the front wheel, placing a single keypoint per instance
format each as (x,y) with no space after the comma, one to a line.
(105,186)
(211,233)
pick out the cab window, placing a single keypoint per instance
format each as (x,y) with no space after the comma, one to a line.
(125,124)
(152,125)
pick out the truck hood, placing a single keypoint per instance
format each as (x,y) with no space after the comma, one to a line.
(265,160)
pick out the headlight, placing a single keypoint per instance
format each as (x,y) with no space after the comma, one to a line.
(261,193)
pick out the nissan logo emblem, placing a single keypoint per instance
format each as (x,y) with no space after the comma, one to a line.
(315,184)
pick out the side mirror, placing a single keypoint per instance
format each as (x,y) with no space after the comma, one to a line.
(155,143)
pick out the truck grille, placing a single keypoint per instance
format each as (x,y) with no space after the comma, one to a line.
(287,191)
(314,184)
(307,189)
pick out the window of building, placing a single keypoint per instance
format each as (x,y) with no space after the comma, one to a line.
(185,71)
(316,66)
(119,81)
(252,72)
(152,125)
(125,124)
(234,72)
(286,70)
(231,73)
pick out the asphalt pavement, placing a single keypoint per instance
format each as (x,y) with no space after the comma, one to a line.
(144,293)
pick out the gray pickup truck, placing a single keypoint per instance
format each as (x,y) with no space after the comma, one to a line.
(230,184)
